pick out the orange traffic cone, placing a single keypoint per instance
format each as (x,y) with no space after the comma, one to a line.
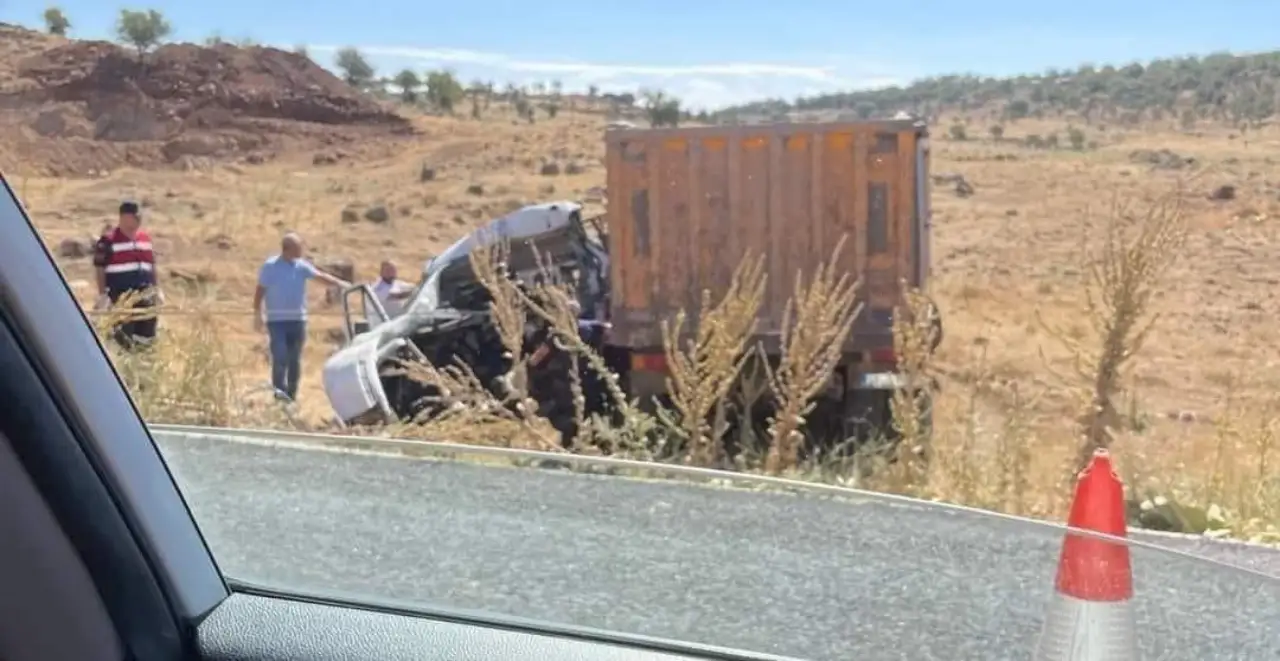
(1090,618)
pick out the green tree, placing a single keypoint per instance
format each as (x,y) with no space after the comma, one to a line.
(478,91)
(408,82)
(1017,109)
(1076,137)
(56,22)
(142,29)
(1187,120)
(443,90)
(524,109)
(958,132)
(356,70)
(997,132)
(663,110)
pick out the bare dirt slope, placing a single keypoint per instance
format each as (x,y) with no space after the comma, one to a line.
(74,108)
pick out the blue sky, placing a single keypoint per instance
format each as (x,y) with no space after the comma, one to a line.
(711,52)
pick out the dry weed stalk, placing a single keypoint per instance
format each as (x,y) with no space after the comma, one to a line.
(916,332)
(1125,271)
(1250,494)
(815,323)
(488,262)
(464,406)
(1013,456)
(704,369)
(184,377)
(554,303)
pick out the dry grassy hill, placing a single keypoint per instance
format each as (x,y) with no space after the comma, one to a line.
(1009,273)
(1240,89)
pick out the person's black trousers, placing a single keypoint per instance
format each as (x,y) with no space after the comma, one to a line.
(137,331)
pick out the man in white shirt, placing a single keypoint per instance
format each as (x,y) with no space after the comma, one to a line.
(391,292)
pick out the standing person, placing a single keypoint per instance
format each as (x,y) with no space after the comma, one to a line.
(125,264)
(391,291)
(282,291)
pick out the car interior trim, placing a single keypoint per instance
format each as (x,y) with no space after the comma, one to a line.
(49,605)
(51,328)
(263,628)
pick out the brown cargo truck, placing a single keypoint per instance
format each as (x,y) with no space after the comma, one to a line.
(686,204)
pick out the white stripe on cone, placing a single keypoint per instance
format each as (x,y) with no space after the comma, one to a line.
(1078,630)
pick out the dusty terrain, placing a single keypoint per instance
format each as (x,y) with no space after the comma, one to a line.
(77,108)
(1008,267)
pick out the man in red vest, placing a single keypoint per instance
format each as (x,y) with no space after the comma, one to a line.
(125,264)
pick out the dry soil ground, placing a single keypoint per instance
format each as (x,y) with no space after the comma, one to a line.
(1007,259)
(1008,273)
(213,228)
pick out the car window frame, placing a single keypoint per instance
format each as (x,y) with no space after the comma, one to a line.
(94,460)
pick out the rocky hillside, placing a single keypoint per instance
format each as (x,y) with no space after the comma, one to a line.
(1222,87)
(80,107)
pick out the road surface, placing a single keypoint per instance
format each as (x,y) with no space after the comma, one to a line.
(804,576)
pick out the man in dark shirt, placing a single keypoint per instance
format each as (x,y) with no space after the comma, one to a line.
(125,266)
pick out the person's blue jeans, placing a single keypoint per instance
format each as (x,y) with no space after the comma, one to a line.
(286,341)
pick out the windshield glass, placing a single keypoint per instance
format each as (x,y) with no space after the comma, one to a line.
(836,261)
(798,575)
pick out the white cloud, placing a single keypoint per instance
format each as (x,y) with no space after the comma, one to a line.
(708,86)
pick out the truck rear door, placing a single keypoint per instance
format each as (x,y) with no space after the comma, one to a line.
(685,206)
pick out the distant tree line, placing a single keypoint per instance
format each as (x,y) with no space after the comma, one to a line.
(1220,86)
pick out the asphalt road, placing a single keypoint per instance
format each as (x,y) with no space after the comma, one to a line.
(804,576)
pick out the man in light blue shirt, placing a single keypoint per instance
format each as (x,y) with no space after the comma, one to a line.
(281,301)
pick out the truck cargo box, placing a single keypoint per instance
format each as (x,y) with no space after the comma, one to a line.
(686,204)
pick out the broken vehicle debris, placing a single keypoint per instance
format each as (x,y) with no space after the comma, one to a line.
(685,206)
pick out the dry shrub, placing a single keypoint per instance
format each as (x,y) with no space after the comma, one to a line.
(470,413)
(631,431)
(1125,270)
(992,445)
(705,367)
(990,449)
(817,320)
(465,410)
(915,335)
(184,377)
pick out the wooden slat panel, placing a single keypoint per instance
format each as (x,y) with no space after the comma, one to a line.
(839,199)
(787,193)
(752,215)
(906,204)
(673,269)
(881,270)
(855,224)
(658,226)
(716,257)
(797,178)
